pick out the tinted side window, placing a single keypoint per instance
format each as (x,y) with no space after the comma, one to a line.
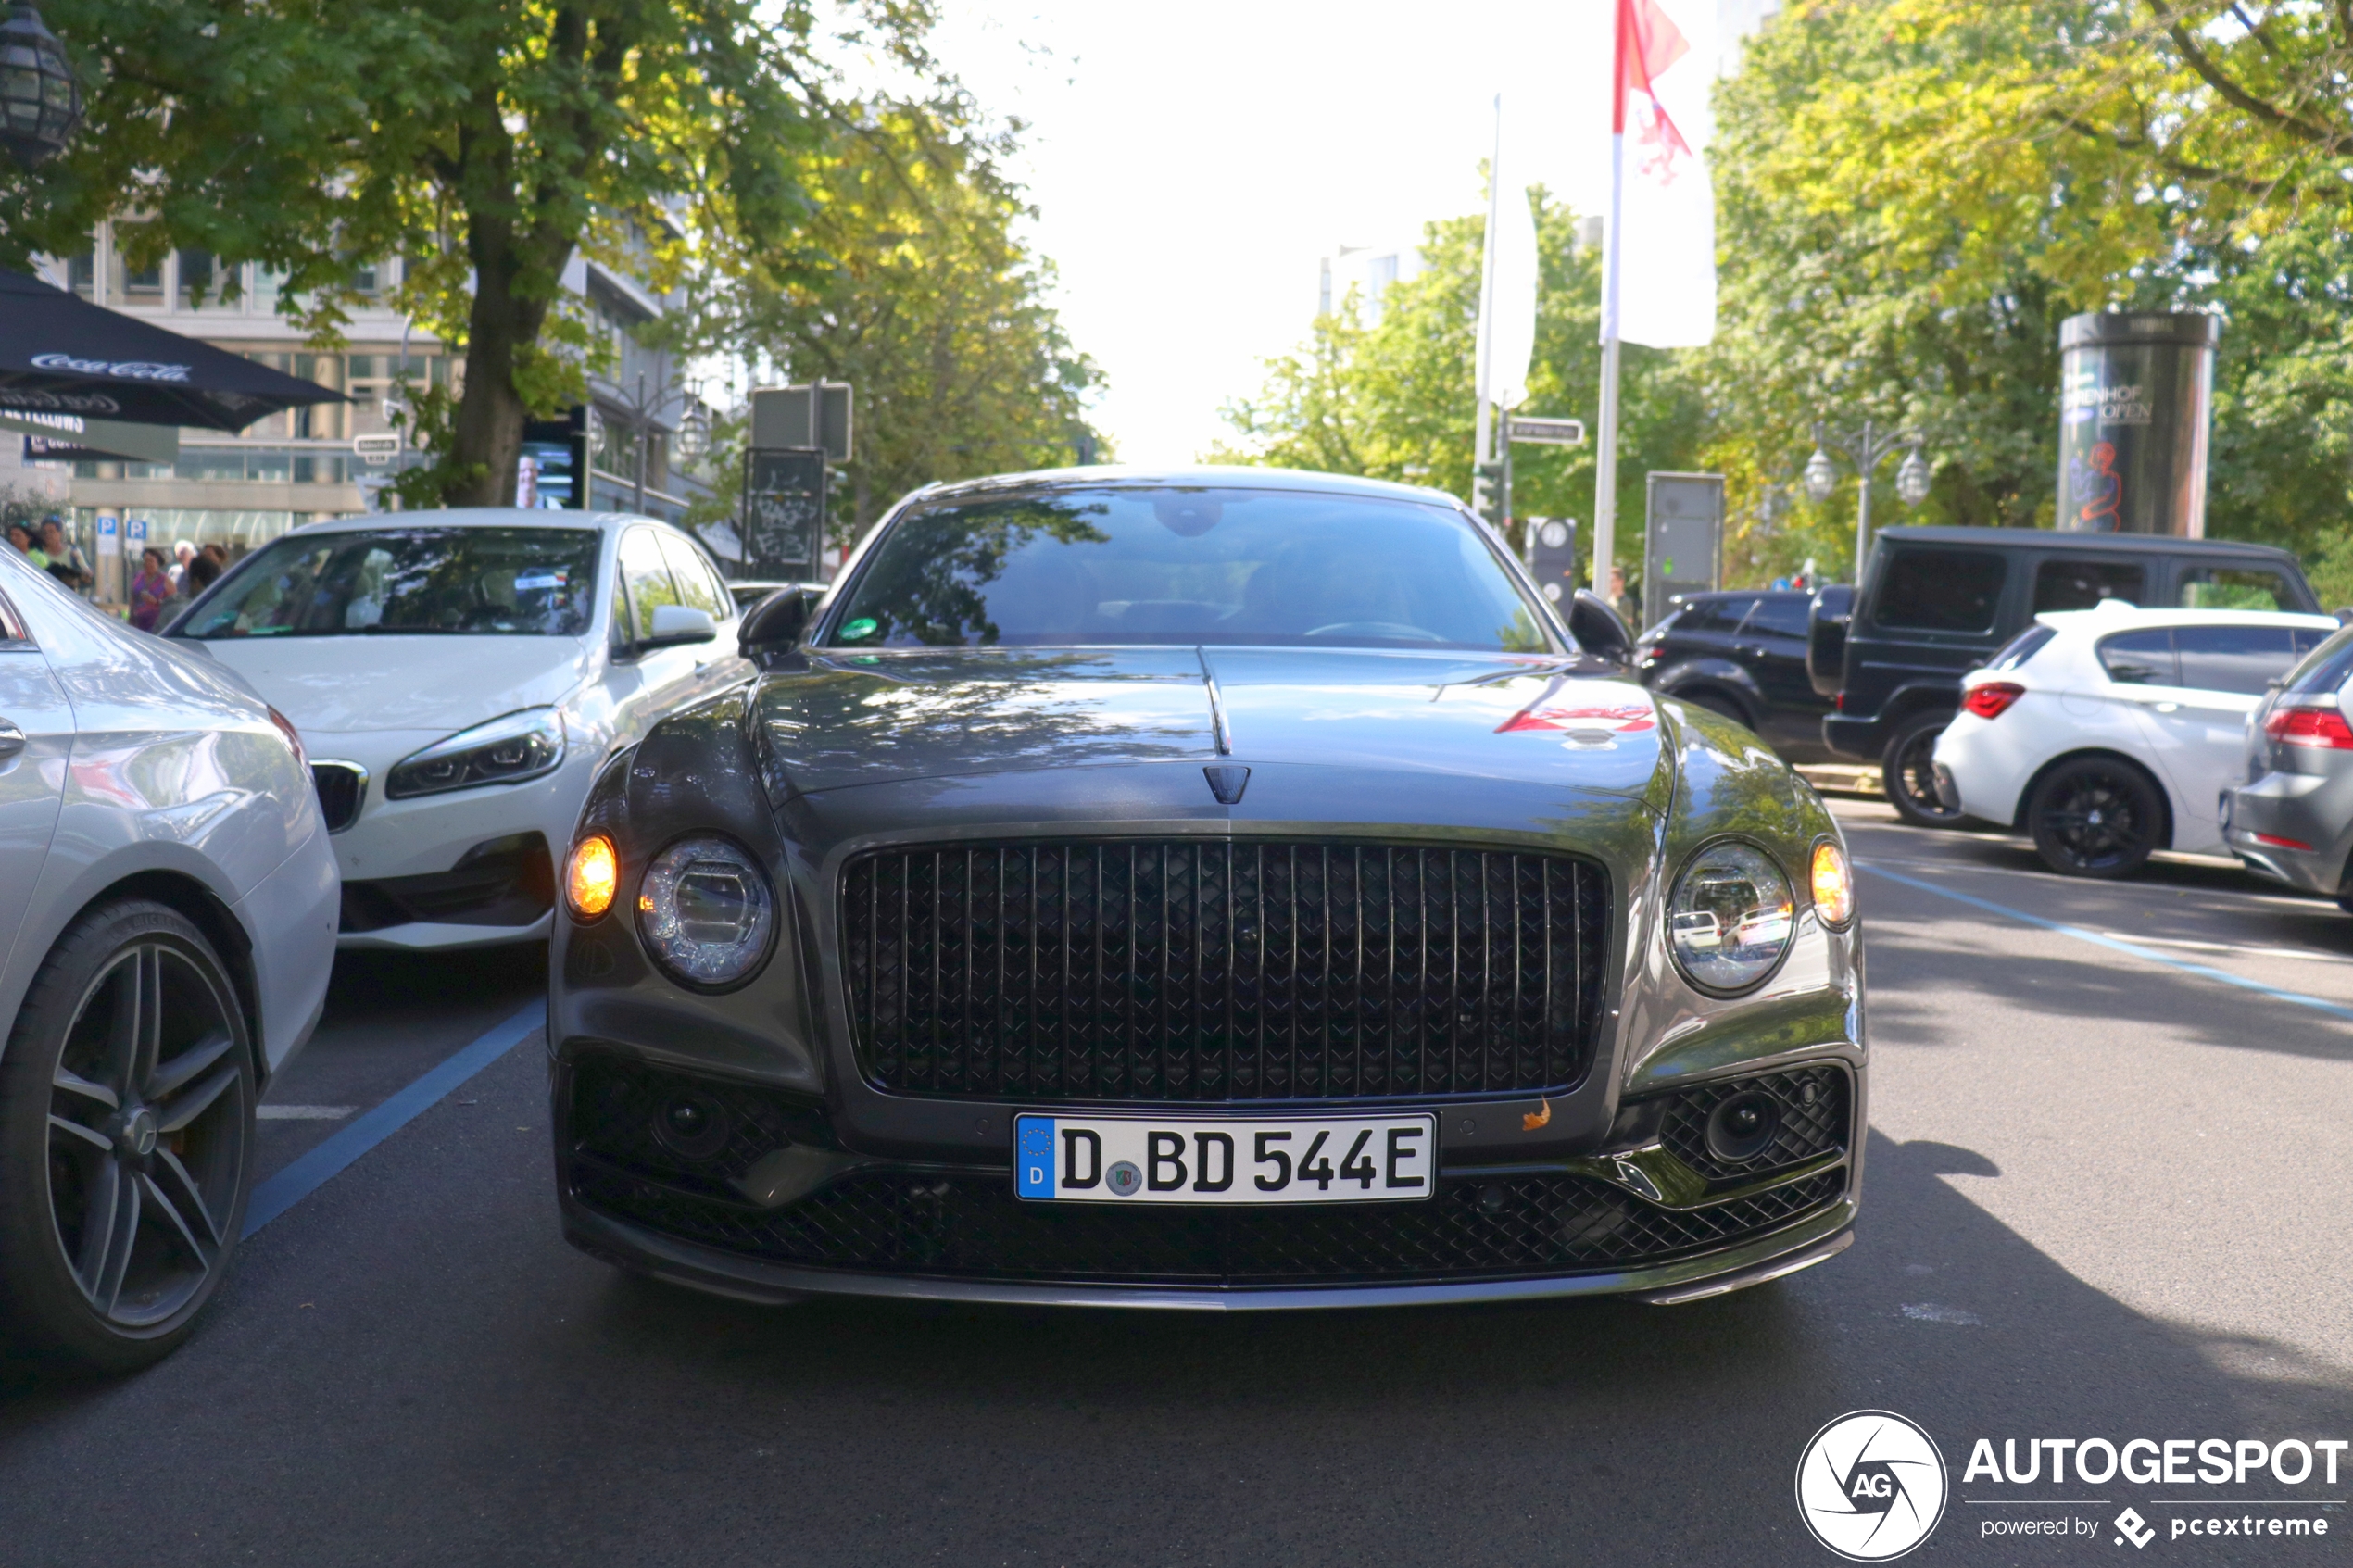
(1778,615)
(648,575)
(2233,587)
(2328,667)
(1722,615)
(2080,585)
(2233,659)
(697,586)
(1941,591)
(2140,659)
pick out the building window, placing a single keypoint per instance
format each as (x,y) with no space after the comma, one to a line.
(82,274)
(134,285)
(200,284)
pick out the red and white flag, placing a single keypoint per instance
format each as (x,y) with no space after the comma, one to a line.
(1660,126)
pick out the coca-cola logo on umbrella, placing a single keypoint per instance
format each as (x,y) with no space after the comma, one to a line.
(123,370)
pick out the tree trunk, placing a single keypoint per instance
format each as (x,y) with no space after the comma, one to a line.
(486,443)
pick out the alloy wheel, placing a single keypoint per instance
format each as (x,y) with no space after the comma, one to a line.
(2093,821)
(147,1134)
(1910,777)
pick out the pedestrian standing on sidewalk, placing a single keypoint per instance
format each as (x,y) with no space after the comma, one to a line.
(150,590)
(65,560)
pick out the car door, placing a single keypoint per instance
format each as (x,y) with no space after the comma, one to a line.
(36,741)
(2201,721)
(1771,647)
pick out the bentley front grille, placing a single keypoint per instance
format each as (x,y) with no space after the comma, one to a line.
(1206,972)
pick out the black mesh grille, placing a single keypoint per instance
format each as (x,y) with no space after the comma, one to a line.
(1812,1102)
(972,1225)
(1220,971)
(340,788)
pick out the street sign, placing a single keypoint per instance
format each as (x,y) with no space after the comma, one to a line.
(1682,538)
(376,450)
(816,414)
(784,522)
(1546,433)
(1552,557)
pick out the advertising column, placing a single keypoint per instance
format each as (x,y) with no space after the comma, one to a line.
(2135,406)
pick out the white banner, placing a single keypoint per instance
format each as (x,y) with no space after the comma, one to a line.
(1666,248)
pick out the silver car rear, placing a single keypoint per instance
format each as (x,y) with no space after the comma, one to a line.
(2293,818)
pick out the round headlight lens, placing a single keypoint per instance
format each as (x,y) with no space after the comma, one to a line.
(592,876)
(705,911)
(1833,886)
(1732,917)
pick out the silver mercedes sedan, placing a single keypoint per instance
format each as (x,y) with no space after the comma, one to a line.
(168,902)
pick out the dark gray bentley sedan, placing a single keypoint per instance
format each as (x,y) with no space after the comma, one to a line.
(1222,888)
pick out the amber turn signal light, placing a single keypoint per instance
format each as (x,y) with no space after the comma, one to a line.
(1833,884)
(592,876)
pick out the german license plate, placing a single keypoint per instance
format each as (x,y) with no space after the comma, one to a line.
(1171,1159)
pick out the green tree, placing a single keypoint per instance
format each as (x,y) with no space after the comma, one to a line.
(909,282)
(486,140)
(1394,399)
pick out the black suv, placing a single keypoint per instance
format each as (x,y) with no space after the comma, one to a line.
(1936,603)
(1741,654)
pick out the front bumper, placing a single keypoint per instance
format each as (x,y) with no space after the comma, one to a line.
(778,1210)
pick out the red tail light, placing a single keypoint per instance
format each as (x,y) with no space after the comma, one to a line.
(2276,842)
(2321,728)
(1992,699)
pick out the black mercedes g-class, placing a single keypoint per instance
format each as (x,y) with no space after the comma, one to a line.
(1935,603)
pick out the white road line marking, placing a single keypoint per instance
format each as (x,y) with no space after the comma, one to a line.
(302,1113)
(2230,948)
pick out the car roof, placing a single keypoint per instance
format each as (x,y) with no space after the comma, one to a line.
(478,517)
(1216,476)
(2051,539)
(2114,615)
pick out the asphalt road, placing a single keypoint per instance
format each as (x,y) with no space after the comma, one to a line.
(2108,1196)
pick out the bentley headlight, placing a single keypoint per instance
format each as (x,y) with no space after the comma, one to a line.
(1732,917)
(521,745)
(705,911)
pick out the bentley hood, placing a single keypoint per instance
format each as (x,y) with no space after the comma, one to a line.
(854,720)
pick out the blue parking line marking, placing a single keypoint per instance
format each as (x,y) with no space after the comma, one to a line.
(337,1155)
(1034,1156)
(2095,939)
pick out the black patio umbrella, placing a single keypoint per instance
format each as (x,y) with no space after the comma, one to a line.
(59,354)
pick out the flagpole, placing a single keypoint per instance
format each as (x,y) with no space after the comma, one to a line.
(1481,432)
(1605,465)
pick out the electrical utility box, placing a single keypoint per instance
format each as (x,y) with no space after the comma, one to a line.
(1682,539)
(815,416)
(1552,557)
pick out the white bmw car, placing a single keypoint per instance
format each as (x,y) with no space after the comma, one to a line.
(2109,734)
(458,677)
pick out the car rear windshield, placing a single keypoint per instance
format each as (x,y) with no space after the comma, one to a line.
(472,581)
(1940,591)
(1165,564)
(2018,649)
(2326,668)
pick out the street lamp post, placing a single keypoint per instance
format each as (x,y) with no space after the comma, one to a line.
(1866,449)
(693,431)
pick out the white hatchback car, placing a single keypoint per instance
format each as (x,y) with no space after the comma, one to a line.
(2112,732)
(459,676)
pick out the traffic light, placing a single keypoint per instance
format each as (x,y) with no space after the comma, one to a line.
(1490,495)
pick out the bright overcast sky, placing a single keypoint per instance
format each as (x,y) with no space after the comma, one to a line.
(1190,164)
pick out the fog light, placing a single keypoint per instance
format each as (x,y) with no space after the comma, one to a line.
(692,1127)
(1743,1127)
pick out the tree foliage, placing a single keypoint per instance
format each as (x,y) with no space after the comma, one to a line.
(1393,399)
(486,140)
(909,282)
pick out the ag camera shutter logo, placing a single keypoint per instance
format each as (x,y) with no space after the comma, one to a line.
(1870,1485)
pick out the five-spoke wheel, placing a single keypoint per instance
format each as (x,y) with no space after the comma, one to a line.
(126,1130)
(2097,816)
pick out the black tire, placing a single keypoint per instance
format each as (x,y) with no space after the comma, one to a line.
(126,1140)
(1907,774)
(2097,816)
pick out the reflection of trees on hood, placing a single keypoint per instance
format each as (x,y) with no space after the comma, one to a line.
(926,584)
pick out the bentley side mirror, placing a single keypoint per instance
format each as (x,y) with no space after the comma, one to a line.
(774,624)
(680,624)
(1597,628)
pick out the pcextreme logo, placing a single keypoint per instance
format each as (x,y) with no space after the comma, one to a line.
(1870,1485)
